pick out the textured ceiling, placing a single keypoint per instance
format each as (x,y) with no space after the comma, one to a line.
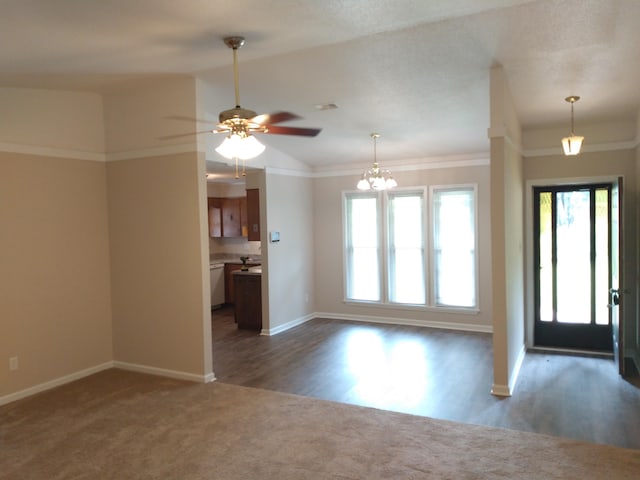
(415,71)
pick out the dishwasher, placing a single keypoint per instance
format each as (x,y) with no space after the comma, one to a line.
(217,284)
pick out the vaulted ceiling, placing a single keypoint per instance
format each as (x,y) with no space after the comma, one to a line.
(415,71)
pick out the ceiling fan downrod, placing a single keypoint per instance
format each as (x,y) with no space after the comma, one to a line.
(235,43)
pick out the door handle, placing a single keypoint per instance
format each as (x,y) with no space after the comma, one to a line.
(615,297)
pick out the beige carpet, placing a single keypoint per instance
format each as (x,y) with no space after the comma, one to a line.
(123,425)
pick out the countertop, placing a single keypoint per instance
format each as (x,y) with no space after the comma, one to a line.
(257,270)
(222,258)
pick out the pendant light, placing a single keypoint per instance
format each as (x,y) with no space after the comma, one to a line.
(572,143)
(375,177)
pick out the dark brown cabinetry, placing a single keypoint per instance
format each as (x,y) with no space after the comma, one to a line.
(229,290)
(248,306)
(227,217)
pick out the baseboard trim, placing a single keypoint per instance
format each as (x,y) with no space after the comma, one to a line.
(500,390)
(463,327)
(164,372)
(27,392)
(286,326)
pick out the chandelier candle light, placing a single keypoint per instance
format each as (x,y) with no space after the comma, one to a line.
(573,143)
(375,177)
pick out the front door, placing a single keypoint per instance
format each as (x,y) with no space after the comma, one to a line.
(573,251)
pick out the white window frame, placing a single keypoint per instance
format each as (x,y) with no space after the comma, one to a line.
(433,189)
(428,245)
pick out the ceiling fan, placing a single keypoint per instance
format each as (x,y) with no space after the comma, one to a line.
(240,123)
(240,119)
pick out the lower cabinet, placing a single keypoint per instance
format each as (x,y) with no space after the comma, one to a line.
(248,300)
(229,290)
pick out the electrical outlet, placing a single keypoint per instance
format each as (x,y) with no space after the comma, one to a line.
(13,363)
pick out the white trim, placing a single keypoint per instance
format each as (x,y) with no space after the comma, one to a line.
(151,152)
(463,327)
(27,392)
(51,152)
(457,161)
(192,377)
(286,326)
(287,172)
(513,378)
(95,156)
(507,390)
(599,147)
(500,390)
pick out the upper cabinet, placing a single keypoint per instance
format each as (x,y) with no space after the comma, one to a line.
(235,216)
(227,217)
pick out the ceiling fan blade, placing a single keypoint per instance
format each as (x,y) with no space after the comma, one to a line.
(180,135)
(190,119)
(276,117)
(304,132)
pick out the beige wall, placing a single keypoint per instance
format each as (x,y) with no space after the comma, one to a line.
(158,279)
(71,121)
(55,310)
(328,253)
(289,270)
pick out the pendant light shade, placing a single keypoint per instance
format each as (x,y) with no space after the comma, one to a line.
(375,177)
(573,143)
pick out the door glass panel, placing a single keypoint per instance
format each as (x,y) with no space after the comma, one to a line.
(546,266)
(602,257)
(573,221)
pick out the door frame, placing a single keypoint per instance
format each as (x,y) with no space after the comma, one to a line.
(529,313)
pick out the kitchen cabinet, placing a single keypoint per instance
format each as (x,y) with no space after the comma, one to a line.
(229,268)
(253,214)
(227,217)
(248,306)
(215,217)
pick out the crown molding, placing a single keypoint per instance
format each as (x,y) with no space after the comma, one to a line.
(51,152)
(151,152)
(586,148)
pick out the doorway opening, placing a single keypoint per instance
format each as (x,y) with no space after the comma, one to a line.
(573,260)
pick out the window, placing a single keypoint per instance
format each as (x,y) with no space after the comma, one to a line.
(363,249)
(454,247)
(386,245)
(405,251)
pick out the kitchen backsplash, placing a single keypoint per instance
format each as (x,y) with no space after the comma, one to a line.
(229,246)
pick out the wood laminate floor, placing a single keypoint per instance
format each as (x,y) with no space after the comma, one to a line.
(431,372)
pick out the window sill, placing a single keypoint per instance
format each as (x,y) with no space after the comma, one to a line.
(414,308)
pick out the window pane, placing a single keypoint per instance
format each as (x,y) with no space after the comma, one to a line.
(573,267)
(454,247)
(546,265)
(363,269)
(602,256)
(406,249)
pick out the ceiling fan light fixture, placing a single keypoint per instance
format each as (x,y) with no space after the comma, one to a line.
(238,146)
(572,143)
(375,177)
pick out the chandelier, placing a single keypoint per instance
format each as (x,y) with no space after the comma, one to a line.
(375,177)
(572,143)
